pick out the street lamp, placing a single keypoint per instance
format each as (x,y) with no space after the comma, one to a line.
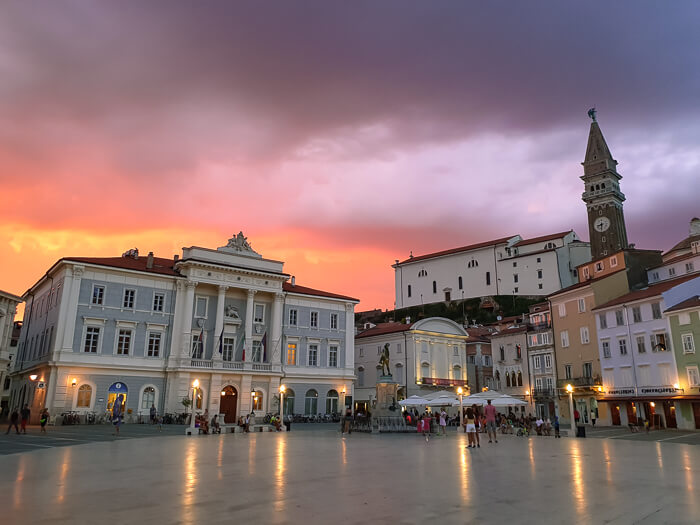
(570,390)
(33,377)
(195,386)
(283,389)
(460,391)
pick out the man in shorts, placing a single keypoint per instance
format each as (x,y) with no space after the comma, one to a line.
(490,413)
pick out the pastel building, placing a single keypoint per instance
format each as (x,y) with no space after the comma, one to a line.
(510,363)
(147,327)
(638,357)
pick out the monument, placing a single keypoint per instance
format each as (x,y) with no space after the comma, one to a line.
(387,388)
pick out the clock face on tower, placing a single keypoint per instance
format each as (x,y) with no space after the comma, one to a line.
(601,224)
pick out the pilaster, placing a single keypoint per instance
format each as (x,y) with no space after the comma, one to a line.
(276,328)
(72,308)
(349,336)
(219,325)
(248,346)
(188,307)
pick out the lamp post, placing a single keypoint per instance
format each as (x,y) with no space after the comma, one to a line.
(283,389)
(460,391)
(195,386)
(570,390)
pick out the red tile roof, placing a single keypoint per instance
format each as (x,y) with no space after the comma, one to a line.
(457,250)
(303,290)
(685,243)
(675,260)
(543,238)
(651,291)
(509,331)
(160,265)
(692,302)
(385,328)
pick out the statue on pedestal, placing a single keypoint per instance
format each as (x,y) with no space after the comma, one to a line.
(384,361)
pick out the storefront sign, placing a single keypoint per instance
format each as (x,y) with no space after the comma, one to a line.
(658,390)
(620,392)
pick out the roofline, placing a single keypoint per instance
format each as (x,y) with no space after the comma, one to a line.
(671,310)
(246,268)
(214,250)
(455,251)
(339,297)
(12,296)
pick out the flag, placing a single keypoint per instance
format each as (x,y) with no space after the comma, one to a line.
(221,341)
(243,344)
(264,345)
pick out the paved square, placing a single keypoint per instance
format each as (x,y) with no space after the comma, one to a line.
(316,476)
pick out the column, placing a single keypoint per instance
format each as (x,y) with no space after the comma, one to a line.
(249,327)
(187,319)
(72,308)
(219,325)
(50,390)
(214,393)
(276,329)
(350,336)
(246,402)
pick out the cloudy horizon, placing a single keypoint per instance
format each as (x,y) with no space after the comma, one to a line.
(338,136)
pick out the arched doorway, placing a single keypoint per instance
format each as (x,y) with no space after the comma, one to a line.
(229,402)
(117,389)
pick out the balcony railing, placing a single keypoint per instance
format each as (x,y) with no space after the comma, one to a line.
(543,392)
(540,326)
(201,363)
(580,381)
(234,365)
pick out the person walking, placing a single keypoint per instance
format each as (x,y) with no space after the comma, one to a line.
(443,422)
(43,419)
(471,429)
(426,426)
(153,414)
(556,427)
(490,412)
(117,413)
(14,419)
(477,424)
(25,418)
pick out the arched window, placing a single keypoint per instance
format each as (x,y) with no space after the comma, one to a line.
(332,402)
(258,401)
(473,263)
(459,282)
(425,370)
(311,403)
(422,273)
(597,186)
(84,396)
(592,188)
(289,401)
(148,397)
(520,379)
(602,187)
(457,372)
(507,379)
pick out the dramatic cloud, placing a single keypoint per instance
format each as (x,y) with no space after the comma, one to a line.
(337,135)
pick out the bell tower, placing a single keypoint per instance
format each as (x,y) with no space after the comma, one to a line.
(602,195)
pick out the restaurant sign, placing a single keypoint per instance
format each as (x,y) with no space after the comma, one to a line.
(620,391)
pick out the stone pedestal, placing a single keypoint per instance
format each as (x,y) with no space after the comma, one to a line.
(387,395)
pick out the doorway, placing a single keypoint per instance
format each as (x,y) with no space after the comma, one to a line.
(615,414)
(631,413)
(229,404)
(670,414)
(696,413)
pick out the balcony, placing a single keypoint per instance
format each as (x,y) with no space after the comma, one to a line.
(580,382)
(543,392)
(241,366)
(535,327)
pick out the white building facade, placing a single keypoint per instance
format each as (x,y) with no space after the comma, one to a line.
(8,309)
(510,364)
(147,327)
(507,266)
(541,364)
(425,356)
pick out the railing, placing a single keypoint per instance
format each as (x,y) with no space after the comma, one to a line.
(232,365)
(262,366)
(543,392)
(580,381)
(201,363)
(540,326)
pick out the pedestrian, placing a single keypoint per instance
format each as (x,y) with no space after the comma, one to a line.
(577,416)
(43,419)
(594,416)
(556,427)
(426,426)
(348,421)
(247,423)
(471,429)
(477,424)
(117,413)
(443,422)
(14,419)
(25,418)
(490,412)
(153,414)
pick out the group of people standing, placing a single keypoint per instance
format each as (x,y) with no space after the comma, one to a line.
(20,418)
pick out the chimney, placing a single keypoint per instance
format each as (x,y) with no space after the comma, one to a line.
(176,257)
(294,281)
(149,261)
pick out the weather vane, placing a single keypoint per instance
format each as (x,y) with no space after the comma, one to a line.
(591,113)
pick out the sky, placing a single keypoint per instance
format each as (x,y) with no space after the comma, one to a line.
(338,136)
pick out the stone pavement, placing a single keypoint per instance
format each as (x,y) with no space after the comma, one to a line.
(317,476)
